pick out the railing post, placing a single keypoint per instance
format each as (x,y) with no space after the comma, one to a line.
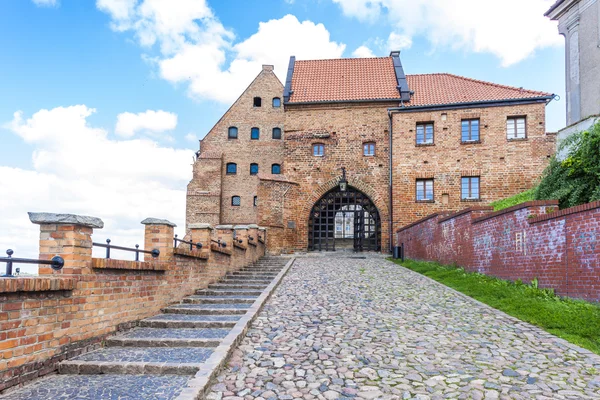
(158,234)
(69,236)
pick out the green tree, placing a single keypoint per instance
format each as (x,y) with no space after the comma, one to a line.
(575,179)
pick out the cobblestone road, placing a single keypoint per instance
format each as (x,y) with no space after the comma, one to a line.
(368,329)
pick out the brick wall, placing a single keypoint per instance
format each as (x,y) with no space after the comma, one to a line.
(58,315)
(527,241)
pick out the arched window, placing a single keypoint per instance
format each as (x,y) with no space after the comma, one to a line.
(318,149)
(254,133)
(276,102)
(236,201)
(257,102)
(276,169)
(232,132)
(231,168)
(253,169)
(276,133)
(369,149)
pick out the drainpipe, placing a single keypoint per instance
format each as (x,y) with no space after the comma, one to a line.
(391,112)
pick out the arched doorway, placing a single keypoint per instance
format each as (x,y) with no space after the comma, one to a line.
(344,219)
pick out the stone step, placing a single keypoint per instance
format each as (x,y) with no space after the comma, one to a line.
(138,360)
(168,337)
(190,321)
(207,309)
(104,386)
(244,280)
(251,275)
(228,292)
(236,286)
(218,300)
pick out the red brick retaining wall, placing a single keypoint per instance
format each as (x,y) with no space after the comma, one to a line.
(527,241)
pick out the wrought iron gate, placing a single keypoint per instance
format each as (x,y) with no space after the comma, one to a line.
(321,223)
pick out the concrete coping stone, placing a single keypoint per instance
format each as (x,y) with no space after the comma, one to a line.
(224,227)
(240,227)
(157,221)
(253,226)
(262,229)
(200,226)
(65,219)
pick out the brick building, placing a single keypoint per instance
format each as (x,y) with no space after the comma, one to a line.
(312,157)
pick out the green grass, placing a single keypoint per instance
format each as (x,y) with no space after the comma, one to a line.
(574,320)
(513,200)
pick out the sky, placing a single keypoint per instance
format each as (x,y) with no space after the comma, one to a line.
(103,102)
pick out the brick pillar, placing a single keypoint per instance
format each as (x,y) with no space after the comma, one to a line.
(262,233)
(253,232)
(241,233)
(68,236)
(224,233)
(158,234)
(201,233)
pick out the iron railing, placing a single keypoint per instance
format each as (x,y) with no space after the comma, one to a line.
(154,253)
(192,245)
(56,263)
(218,242)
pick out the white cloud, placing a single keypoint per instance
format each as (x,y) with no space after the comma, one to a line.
(46,3)
(191,137)
(363,51)
(398,42)
(197,50)
(150,121)
(511,30)
(78,169)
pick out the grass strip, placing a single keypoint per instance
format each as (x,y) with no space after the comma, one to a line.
(513,200)
(577,321)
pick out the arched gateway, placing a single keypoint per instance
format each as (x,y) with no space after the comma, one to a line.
(344,219)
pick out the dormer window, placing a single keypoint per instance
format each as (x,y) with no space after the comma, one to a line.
(257,102)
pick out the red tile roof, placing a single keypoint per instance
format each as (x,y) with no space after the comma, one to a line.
(373,79)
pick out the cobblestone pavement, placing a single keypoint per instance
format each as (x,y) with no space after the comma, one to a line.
(368,329)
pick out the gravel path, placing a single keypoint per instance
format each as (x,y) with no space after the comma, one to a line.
(367,329)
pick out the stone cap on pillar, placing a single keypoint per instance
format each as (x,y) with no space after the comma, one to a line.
(65,219)
(240,227)
(224,227)
(157,221)
(200,226)
(262,229)
(253,226)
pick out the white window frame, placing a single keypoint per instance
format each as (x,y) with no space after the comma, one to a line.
(423,187)
(469,195)
(513,131)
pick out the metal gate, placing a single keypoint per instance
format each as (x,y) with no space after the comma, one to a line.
(322,220)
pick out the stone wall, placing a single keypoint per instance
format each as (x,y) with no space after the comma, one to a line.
(59,315)
(528,241)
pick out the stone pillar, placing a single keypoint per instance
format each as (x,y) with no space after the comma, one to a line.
(158,234)
(68,236)
(224,233)
(241,233)
(201,233)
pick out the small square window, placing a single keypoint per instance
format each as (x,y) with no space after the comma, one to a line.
(516,128)
(257,102)
(231,168)
(236,201)
(318,150)
(254,133)
(369,149)
(425,133)
(276,133)
(232,132)
(276,102)
(469,130)
(276,169)
(424,190)
(469,188)
(253,169)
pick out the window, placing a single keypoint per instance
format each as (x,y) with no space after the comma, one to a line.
(425,133)
(253,169)
(516,128)
(369,149)
(255,201)
(236,201)
(232,132)
(424,189)
(231,168)
(257,102)
(276,169)
(254,133)
(469,188)
(318,150)
(276,133)
(276,102)
(469,130)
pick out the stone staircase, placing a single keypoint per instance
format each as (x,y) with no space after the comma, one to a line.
(175,342)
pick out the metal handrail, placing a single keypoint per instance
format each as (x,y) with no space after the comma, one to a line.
(154,253)
(221,244)
(198,245)
(56,263)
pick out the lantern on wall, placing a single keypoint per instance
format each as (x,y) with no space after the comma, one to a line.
(343,181)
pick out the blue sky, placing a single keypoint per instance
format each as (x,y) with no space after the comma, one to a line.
(126,87)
